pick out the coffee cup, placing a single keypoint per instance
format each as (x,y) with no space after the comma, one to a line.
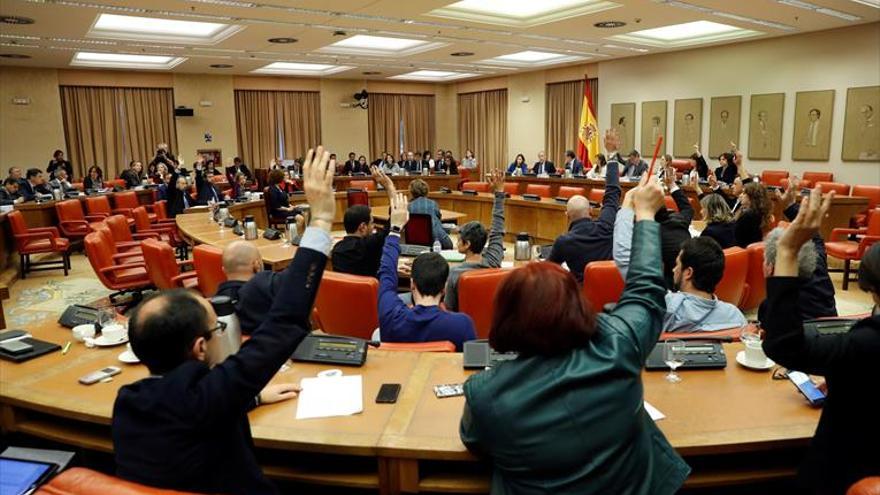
(113,333)
(755,353)
(80,332)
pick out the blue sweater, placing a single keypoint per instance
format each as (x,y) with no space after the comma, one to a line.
(399,323)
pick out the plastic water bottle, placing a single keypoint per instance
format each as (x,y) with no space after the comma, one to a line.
(437,247)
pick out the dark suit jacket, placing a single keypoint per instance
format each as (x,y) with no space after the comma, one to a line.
(88,184)
(411,165)
(722,232)
(188,430)
(30,192)
(728,174)
(177,200)
(6,198)
(549,168)
(359,255)
(231,171)
(277,199)
(349,166)
(634,170)
(206,188)
(53,166)
(131,178)
(252,299)
(577,167)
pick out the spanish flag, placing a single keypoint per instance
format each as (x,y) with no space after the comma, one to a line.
(588,130)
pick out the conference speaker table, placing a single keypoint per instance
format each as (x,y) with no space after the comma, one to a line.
(732,425)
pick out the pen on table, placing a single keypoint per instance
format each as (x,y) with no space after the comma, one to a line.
(66,348)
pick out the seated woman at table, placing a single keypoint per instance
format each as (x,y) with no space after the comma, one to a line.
(518,166)
(279,205)
(844,448)
(211,169)
(418,190)
(719,221)
(449,165)
(469,161)
(239,187)
(755,215)
(598,170)
(94,179)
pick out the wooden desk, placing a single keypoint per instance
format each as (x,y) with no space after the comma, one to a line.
(256,208)
(44,215)
(446,216)
(401,182)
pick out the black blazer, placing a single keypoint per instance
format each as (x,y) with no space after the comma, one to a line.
(176,200)
(30,192)
(748,228)
(727,175)
(88,184)
(189,430)
(206,188)
(131,178)
(548,165)
(722,232)
(53,166)
(277,199)
(231,171)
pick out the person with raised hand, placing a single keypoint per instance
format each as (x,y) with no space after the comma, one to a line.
(185,427)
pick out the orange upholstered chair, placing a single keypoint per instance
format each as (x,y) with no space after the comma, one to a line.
(683,166)
(129,200)
(815,177)
(569,191)
(773,177)
(122,235)
(839,188)
(433,346)
(100,205)
(511,188)
(82,481)
(476,296)
(167,232)
(542,190)
(603,284)
(755,278)
(116,276)
(873,195)
(72,222)
(839,247)
(475,186)
(164,271)
(357,197)
(596,195)
(208,264)
(348,304)
(732,288)
(116,183)
(366,185)
(38,240)
(866,486)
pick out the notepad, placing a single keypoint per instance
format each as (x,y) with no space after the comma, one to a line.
(452,255)
(655,413)
(327,397)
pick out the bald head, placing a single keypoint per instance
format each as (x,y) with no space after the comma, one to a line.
(578,207)
(241,260)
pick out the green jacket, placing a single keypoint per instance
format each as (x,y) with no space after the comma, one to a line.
(576,423)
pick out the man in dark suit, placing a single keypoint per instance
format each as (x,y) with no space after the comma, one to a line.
(542,166)
(238,166)
(572,163)
(411,165)
(351,164)
(15,173)
(207,191)
(132,175)
(635,166)
(9,192)
(177,192)
(34,184)
(185,427)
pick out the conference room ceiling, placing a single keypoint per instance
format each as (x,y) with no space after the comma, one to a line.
(62,28)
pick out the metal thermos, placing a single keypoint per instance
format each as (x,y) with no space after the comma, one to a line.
(522,249)
(229,340)
(57,194)
(250,228)
(292,231)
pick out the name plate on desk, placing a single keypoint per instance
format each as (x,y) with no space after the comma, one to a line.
(560,199)
(469,192)
(531,197)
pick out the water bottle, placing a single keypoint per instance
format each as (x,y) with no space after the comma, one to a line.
(437,247)
(250,228)
(57,195)
(292,231)
(229,341)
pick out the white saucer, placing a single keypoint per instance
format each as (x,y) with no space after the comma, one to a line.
(128,357)
(741,359)
(103,342)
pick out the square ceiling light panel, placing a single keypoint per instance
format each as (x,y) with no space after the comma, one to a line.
(689,33)
(300,69)
(125,61)
(127,27)
(433,75)
(362,44)
(532,58)
(520,13)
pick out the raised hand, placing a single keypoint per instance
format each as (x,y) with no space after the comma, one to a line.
(383,179)
(697,149)
(496,180)
(813,210)
(713,181)
(318,184)
(399,210)
(612,141)
(647,198)
(788,198)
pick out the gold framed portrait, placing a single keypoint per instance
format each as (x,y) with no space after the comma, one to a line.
(623,120)
(724,117)
(813,114)
(687,126)
(765,126)
(861,125)
(653,126)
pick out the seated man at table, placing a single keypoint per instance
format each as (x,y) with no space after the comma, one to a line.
(15,173)
(185,426)
(239,167)
(425,321)
(9,192)
(418,189)
(588,240)
(60,181)
(543,166)
(634,166)
(34,184)
(133,175)
(472,242)
(572,163)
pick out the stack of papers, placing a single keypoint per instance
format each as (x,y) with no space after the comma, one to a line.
(326,397)
(452,255)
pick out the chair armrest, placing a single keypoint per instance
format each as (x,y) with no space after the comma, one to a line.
(95,218)
(866,242)
(123,256)
(35,236)
(178,280)
(125,266)
(841,234)
(122,211)
(51,230)
(189,263)
(145,235)
(72,224)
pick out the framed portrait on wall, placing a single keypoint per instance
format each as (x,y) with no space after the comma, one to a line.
(623,120)
(724,123)
(861,125)
(813,114)
(653,126)
(765,126)
(213,154)
(688,126)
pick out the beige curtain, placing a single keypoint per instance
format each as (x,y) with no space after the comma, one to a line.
(388,111)
(299,118)
(109,127)
(564,103)
(276,123)
(482,127)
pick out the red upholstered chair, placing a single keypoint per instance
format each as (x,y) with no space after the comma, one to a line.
(596,195)
(670,203)
(72,222)
(357,197)
(348,304)
(511,188)
(366,185)
(476,296)
(873,195)
(122,234)
(164,271)
(866,486)
(113,270)
(839,188)
(773,177)
(569,191)
(114,183)
(208,264)
(475,186)
(129,200)
(82,481)
(418,230)
(100,205)
(755,278)
(839,247)
(542,190)
(683,166)
(29,241)
(432,346)
(123,248)
(804,183)
(815,177)
(732,288)
(603,284)
(167,232)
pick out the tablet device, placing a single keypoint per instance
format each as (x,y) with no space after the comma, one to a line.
(20,477)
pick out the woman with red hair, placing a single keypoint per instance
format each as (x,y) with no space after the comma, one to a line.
(567,415)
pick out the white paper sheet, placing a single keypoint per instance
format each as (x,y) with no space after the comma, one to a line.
(655,413)
(506,264)
(330,396)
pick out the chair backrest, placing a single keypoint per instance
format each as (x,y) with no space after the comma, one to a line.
(357,197)
(82,481)
(141,218)
(511,188)
(16,220)
(348,304)
(97,205)
(838,187)
(732,286)
(569,191)
(865,486)
(870,192)
(208,263)
(755,278)
(433,346)
(819,176)
(120,183)
(160,208)
(476,296)
(119,228)
(773,177)
(596,195)
(99,250)
(683,165)
(126,199)
(418,230)
(70,209)
(669,202)
(366,185)
(542,190)
(161,265)
(475,186)
(603,284)
(874,222)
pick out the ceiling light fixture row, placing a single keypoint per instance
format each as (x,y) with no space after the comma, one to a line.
(706,10)
(820,9)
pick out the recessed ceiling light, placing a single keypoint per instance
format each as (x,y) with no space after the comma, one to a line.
(19,56)
(300,69)
(462,54)
(609,24)
(531,58)
(688,33)
(432,75)
(14,19)
(521,13)
(221,66)
(124,60)
(160,30)
(362,44)
(283,40)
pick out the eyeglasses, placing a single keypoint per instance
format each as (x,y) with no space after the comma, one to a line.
(219,327)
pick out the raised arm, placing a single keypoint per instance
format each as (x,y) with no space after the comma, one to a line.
(611,200)
(623,233)
(493,253)
(391,307)
(386,182)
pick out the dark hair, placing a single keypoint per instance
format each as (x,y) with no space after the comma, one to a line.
(601,159)
(362,156)
(276,177)
(351,153)
(519,155)
(569,154)
(539,310)
(728,157)
(236,159)
(668,159)
(429,273)
(418,188)
(131,163)
(355,216)
(475,234)
(9,181)
(163,338)
(11,169)
(706,257)
(33,172)
(96,168)
(57,152)
(869,270)
(635,153)
(818,112)
(759,202)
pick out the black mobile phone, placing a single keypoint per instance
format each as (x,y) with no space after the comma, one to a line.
(388,393)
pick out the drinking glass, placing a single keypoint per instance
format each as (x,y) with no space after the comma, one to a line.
(751,332)
(673,356)
(105,317)
(222,214)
